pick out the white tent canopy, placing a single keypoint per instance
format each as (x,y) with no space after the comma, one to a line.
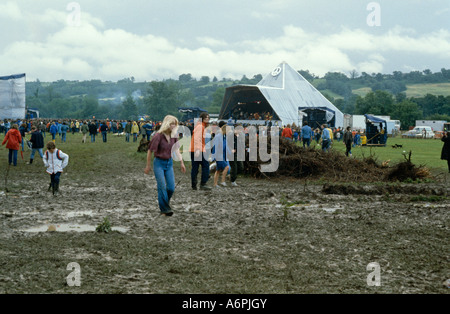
(288,94)
(12,97)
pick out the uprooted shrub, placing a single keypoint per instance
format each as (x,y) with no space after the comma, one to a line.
(407,171)
(299,162)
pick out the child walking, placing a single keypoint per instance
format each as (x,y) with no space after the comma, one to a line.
(55,161)
(221,153)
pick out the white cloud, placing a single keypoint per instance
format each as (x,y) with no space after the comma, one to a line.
(92,51)
(211,42)
(442,11)
(371,66)
(10,10)
(263,15)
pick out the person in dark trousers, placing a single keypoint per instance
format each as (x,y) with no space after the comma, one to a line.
(445,154)
(198,151)
(307,134)
(104,130)
(13,139)
(128,131)
(55,161)
(37,143)
(92,131)
(237,166)
(348,141)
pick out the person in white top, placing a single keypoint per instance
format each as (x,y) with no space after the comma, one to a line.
(55,161)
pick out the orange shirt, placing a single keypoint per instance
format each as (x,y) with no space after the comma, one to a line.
(198,138)
(287,132)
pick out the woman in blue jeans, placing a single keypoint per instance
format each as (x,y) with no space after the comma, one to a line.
(161,146)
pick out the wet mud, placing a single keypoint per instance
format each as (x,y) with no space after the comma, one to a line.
(269,235)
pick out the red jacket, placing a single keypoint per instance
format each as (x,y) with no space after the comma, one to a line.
(287,132)
(13,138)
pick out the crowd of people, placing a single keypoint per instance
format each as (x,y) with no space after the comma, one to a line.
(93,127)
(324,135)
(240,114)
(162,143)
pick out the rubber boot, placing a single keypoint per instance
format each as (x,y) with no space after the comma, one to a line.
(55,189)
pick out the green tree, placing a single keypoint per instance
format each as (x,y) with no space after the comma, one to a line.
(218,96)
(164,98)
(129,108)
(407,112)
(378,103)
(90,107)
(185,78)
(306,75)
(205,80)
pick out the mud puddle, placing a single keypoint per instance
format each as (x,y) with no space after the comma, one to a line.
(69,228)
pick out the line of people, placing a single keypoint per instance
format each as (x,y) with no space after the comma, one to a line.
(164,144)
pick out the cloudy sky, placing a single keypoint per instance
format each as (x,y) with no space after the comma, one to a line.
(156,40)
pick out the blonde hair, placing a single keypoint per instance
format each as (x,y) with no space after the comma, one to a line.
(168,120)
(224,129)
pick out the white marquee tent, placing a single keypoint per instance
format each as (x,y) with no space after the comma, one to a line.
(12,97)
(286,94)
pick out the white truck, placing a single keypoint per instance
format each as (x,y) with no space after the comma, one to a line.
(435,125)
(358,122)
(419,132)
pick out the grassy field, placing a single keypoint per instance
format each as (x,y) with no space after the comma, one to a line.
(268,236)
(424,152)
(420,90)
(415,90)
(362,91)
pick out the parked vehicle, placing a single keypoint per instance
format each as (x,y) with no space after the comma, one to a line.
(419,132)
(438,135)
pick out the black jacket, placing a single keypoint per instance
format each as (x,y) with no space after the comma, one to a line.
(92,129)
(37,139)
(445,155)
(348,137)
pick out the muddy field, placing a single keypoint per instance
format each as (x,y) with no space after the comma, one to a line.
(277,235)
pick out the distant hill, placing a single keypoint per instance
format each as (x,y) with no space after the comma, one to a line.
(106,98)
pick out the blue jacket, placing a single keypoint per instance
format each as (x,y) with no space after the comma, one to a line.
(307,132)
(148,128)
(53,129)
(326,134)
(64,128)
(220,150)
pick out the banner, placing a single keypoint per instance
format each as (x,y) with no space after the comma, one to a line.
(12,97)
